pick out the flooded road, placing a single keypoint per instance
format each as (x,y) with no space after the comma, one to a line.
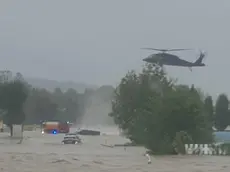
(45,153)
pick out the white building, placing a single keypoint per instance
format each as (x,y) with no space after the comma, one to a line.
(5,75)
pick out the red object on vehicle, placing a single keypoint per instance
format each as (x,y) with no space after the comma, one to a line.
(55,127)
(63,127)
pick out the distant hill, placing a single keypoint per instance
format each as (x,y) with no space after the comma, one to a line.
(64,85)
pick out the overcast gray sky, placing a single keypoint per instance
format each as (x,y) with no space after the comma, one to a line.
(98,41)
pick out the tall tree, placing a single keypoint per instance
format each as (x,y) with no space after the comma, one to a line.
(209,109)
(45,108)
(151,110)
(222,112)
(13,95)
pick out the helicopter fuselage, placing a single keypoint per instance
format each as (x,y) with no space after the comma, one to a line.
(169,59)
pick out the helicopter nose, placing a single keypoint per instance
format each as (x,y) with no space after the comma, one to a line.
(146,59)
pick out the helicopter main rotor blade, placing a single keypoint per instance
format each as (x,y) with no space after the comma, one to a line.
(164,50)
(156,49)
(185,49)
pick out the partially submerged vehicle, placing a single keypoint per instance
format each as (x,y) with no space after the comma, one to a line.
(88,132)
(71,138)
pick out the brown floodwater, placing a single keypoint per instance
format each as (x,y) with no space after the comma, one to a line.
(45,153)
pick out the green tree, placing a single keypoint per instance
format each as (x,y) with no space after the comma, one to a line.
(151,110)
(40,106)
(45,105)
(209,109)
(222,112)
(71,104)
(13,95)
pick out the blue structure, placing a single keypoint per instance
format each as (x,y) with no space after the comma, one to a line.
(222,136)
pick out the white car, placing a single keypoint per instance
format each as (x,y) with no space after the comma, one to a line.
(71,139)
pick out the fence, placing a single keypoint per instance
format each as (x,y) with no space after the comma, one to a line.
(204,149)
(17,131)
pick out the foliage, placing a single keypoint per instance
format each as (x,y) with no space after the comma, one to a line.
(44,105)
(13,94)
(221,148)
(20,103)
(222,112)
(209,109)
(152,109)
(39,106)
(180,139)
(225,147)
(64,105)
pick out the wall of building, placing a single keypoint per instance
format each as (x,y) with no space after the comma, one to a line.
(5,75)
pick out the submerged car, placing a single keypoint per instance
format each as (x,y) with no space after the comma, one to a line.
(71,138)
(88,132)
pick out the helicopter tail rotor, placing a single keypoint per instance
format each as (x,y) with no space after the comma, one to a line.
(201,57)
(203,54)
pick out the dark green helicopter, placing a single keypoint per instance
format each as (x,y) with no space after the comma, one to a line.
(164,58)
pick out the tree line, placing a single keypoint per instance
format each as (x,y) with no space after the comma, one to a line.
(154,111)
(42,105)
(20,103)
(151,109)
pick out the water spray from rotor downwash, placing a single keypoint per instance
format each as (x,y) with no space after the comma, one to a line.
(97,106)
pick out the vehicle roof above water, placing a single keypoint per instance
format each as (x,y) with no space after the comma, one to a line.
(51,123)
(71,137)
(54,122)
(71,134)
(66,137)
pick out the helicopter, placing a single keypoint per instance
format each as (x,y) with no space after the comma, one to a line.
(164,58)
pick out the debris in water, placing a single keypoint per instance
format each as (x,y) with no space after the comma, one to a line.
(149,159)
(85,165)
(52,154)
(98,162)
(60,161)
(111,146)
(76,159)
(20,141)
